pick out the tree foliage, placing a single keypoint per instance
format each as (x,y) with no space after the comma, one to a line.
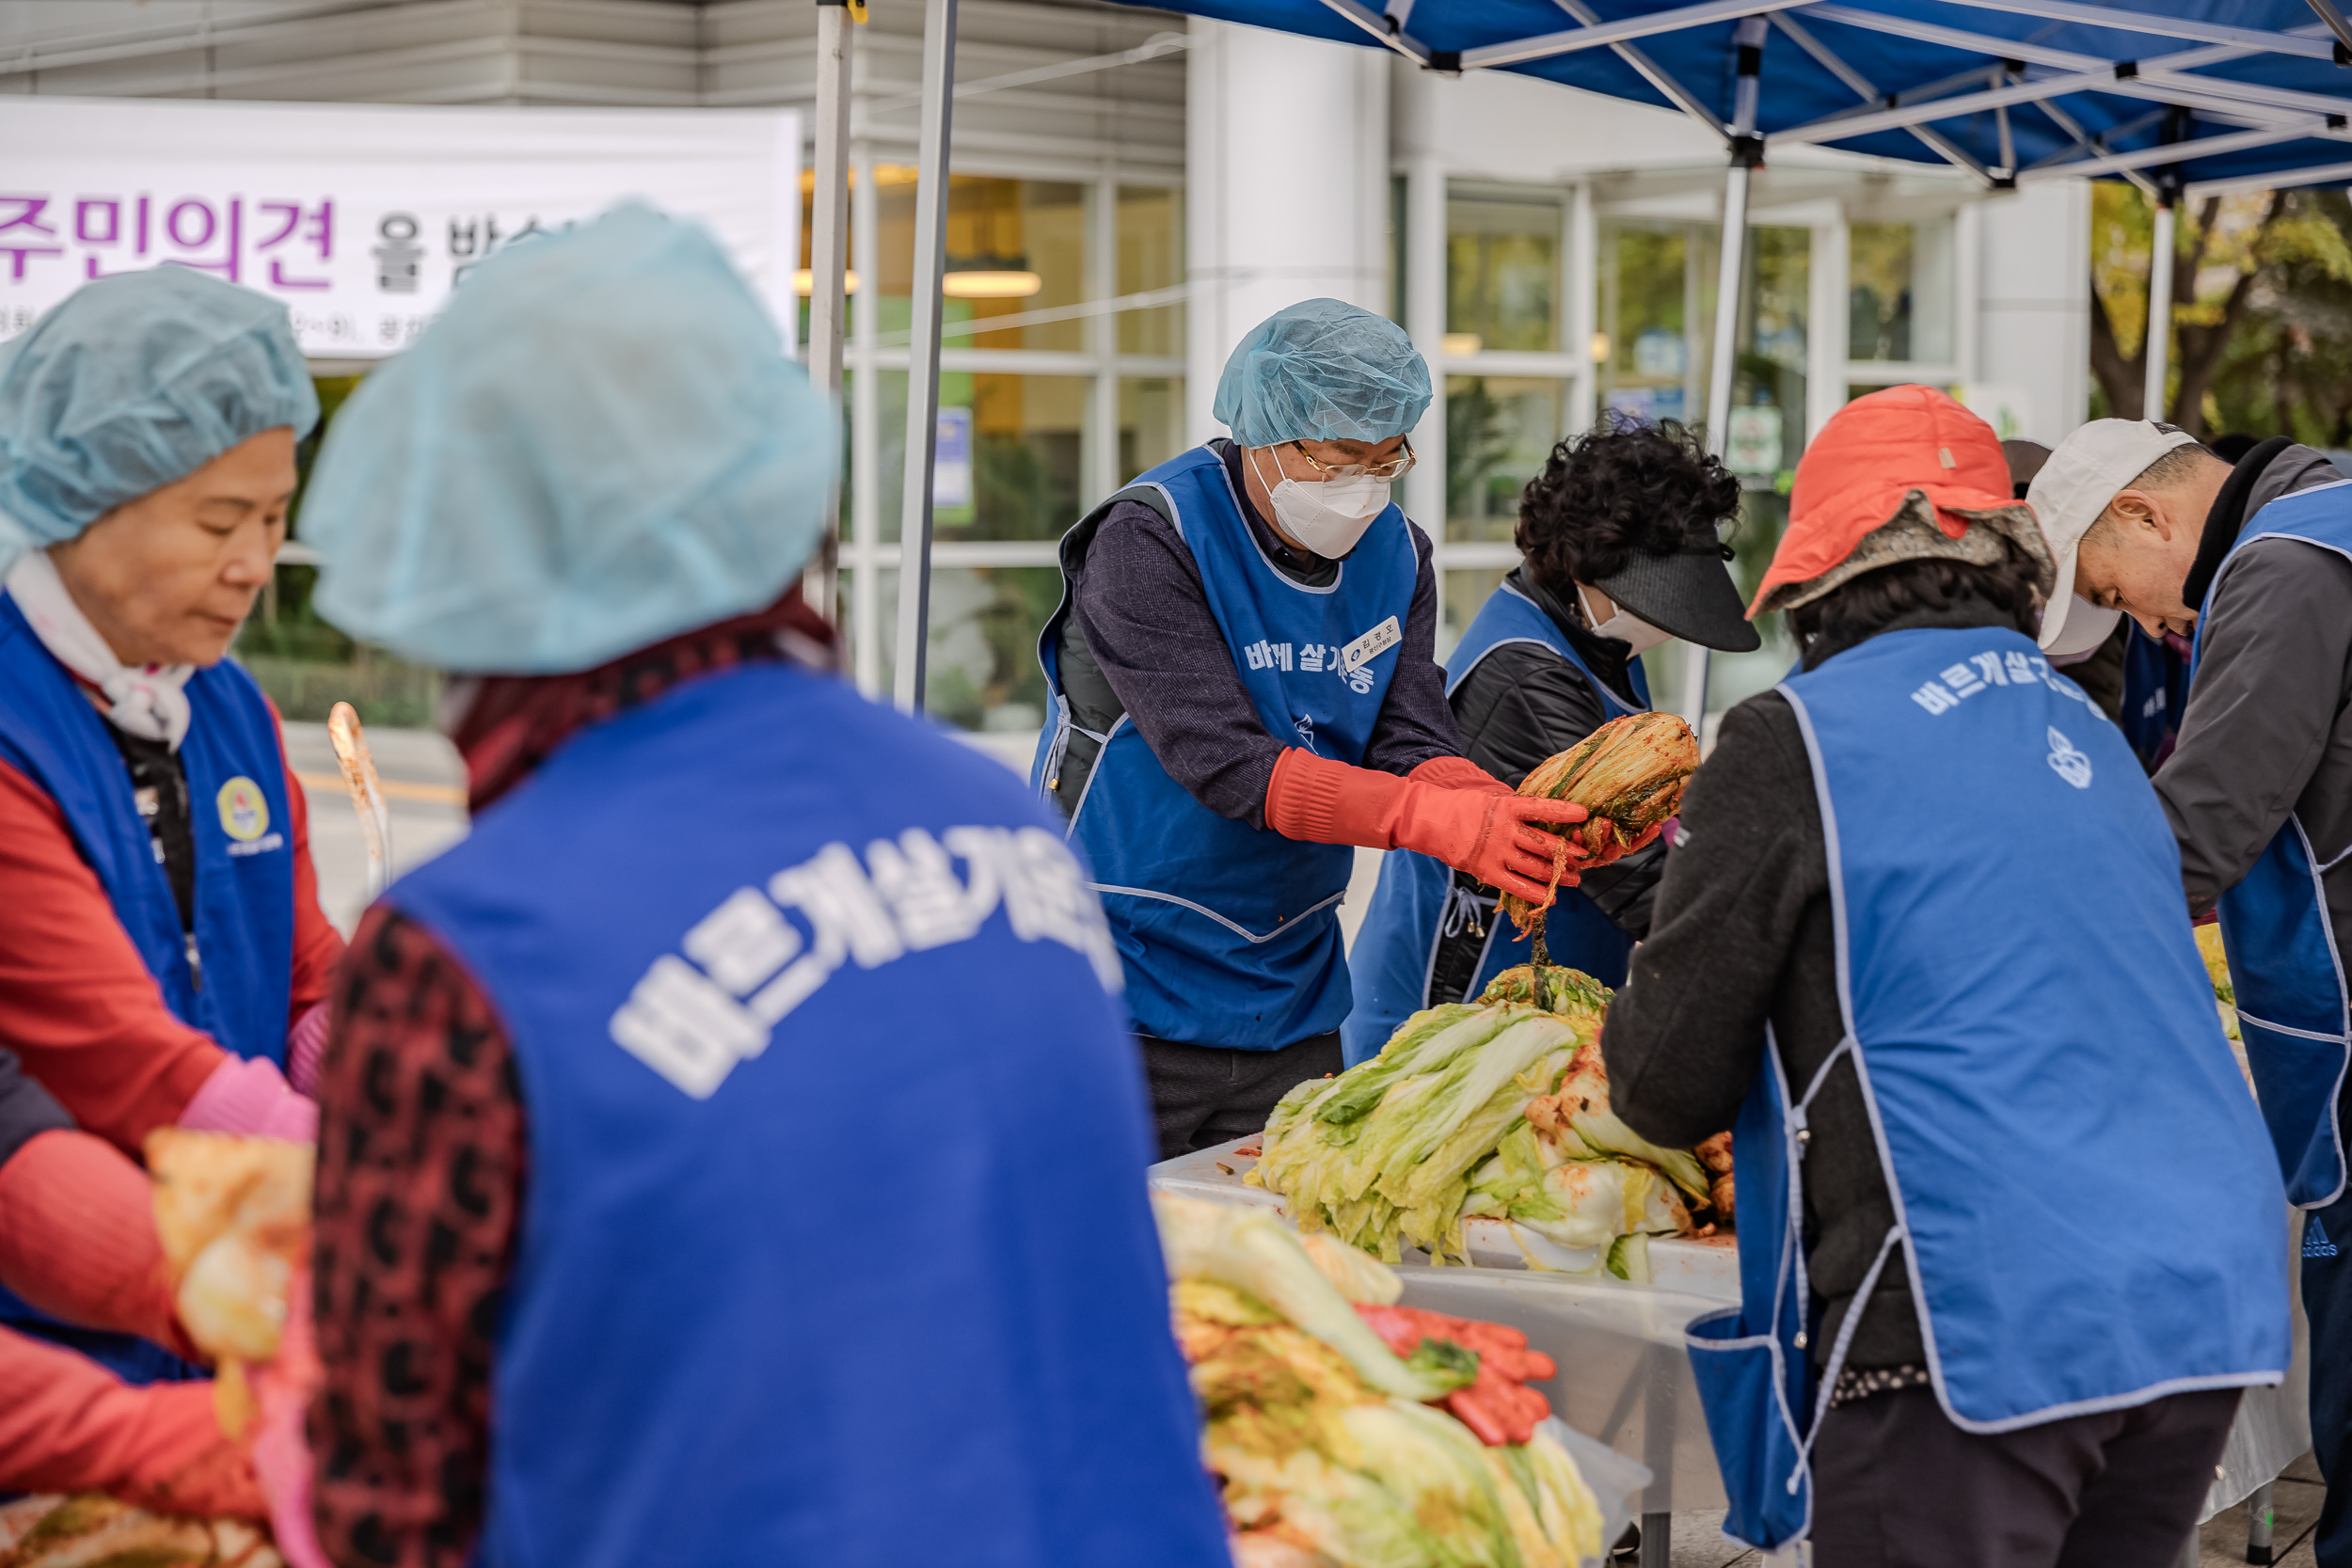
(2262,301)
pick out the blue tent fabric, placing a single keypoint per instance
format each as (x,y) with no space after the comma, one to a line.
(2122,89)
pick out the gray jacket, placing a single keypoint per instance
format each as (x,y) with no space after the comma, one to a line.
(2268,727)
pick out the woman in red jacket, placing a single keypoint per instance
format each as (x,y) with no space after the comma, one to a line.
(161,952)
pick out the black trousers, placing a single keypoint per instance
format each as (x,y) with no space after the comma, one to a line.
(1897,1485)
(1206,1095)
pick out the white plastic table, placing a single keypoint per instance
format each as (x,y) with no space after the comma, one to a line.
(1625,1376)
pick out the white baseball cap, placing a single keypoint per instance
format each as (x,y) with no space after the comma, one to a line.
(2081,477)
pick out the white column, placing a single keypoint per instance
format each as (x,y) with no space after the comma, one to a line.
(1583,286)
(1099,448)
(2033,304)
(1424,319)
(1825,347)
(1287,157)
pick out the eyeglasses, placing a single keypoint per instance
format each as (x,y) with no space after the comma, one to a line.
(1396,467)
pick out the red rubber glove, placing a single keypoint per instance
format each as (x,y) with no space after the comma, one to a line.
(1318,800)
(1459,773)
(77,1239)
(67,1424)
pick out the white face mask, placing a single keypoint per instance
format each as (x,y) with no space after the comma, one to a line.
(1624,625)
(1328,516)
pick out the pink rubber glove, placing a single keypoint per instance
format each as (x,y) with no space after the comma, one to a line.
(252,1098)
(281,1455)
(77,1239)
(306,1042)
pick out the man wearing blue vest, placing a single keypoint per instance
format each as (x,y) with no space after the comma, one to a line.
(1623,550)
(1244,685)
(733,962)
(2254,561)
(162,951)
(2011,1239)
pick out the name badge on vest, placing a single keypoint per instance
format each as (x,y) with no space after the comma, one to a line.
(1379,640)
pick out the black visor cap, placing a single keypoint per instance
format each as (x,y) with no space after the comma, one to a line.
(1689,594)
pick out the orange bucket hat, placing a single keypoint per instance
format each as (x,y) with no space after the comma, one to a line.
(1910,460)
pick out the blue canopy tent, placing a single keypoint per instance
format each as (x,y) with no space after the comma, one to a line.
(2182,97)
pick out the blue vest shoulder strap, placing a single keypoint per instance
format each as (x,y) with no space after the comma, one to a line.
(1510,616)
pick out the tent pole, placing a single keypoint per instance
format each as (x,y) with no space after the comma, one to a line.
(2158,349)
(828,256)
(1747,151)
(930,266)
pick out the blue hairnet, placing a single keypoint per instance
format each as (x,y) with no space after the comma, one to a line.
(1322,371)
(599,445)
(134,382)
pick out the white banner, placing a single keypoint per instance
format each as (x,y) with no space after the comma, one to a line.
(362,217)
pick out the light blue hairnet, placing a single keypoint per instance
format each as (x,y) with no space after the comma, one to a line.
(1322,371)
(599,445)
(134,382)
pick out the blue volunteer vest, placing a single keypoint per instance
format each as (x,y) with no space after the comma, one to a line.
(2155,686)
(2090,1218)
(780,966)
(243,832)
(1229,933)
(1417,903)
(2292,1010)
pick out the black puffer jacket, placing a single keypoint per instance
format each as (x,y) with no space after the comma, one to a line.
(1522,704)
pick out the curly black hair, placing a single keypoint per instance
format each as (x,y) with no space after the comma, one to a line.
(1618,489)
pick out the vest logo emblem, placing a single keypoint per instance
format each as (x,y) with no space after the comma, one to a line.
(2315,1241)
(2069,764)
(244,810)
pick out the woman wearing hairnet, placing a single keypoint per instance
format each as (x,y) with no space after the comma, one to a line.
(733,962)
(1245,685)
(160,932)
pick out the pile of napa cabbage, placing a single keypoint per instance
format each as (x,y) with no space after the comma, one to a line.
(1327,1454)
(1498,1109)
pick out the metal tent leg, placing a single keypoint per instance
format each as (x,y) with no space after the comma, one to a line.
(2259,1519)
(930,265)
(1746,152)
(2159,343)
(828,259)
(1658,1540)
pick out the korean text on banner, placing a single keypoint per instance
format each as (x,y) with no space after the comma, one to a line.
(363,217)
